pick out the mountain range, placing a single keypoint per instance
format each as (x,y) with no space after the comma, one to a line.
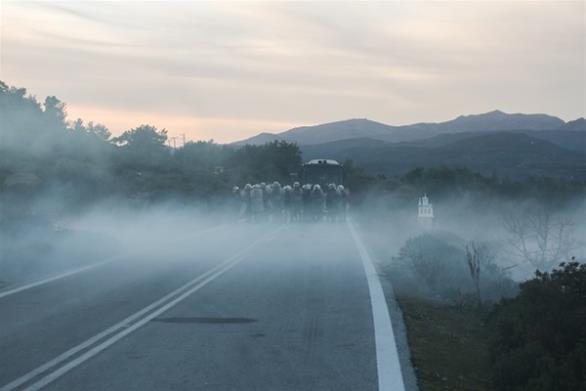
(508,144)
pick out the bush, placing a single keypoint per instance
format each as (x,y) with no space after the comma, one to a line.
(434,265)
(538,339)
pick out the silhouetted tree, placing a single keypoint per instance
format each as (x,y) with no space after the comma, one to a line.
(55,113)
(539,338)
(146,137)
(478,257)
(538,236)
(99,130)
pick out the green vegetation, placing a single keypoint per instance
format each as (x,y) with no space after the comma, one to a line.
(535,340)
(513,151)
(538,338)
(449,183)
(42,154)
(449,345)
(437,266)
(444,286)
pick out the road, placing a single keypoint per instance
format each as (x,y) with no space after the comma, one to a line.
(241,307)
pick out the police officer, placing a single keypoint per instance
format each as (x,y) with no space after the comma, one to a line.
(318,203)
(306,202)
(277,201)
(245,202)
(287,203)
(332,202)
(344,201)
(235,201)
(296,202)
(256,202)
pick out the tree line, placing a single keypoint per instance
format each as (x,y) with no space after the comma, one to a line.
(42,151)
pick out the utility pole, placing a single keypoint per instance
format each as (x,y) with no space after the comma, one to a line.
(174,140)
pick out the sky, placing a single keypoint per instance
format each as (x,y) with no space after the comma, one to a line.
(229,70)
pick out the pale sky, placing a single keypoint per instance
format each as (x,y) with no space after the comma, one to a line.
(229,70)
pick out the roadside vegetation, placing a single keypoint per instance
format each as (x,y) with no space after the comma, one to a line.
(537,338)
(504,336)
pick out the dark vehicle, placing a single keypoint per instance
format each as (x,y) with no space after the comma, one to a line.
(323,172)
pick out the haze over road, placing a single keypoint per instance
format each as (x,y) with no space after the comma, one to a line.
(244,307)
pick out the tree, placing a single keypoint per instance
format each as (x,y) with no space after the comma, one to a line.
(143,137)
(268,162)
(55,112)
(538,236)
(143,148)
(99,130)
(478,257)
(538,338)
(202,155)
(436,263)
(358,181)
(78,126)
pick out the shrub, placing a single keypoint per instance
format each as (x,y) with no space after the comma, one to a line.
(538,339)
(434,265)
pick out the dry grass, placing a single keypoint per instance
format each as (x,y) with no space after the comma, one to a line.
(448,345)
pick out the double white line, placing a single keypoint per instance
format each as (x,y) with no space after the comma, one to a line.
(60,365)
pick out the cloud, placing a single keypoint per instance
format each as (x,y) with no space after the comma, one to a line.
(68,10)
(220,129)
(299,63)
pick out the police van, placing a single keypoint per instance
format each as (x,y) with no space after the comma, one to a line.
(323,172)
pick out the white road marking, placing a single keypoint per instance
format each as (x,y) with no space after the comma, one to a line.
(11,291)
(128,325)
(390,377)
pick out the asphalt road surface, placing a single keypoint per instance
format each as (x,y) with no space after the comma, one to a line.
(238,307)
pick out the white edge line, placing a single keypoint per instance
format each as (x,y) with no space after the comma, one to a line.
(390,377)
(218,270)
(11,291)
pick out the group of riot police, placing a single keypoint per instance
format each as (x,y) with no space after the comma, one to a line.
(264,202)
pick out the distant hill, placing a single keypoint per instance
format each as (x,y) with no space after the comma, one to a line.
(333,131)
(570,139)
(576,125)
(364,128)
(508,144)
(514,154)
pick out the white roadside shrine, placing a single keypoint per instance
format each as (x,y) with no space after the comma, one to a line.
(425,213)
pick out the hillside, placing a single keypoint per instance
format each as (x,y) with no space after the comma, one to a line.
(364,128)
(504,153)
(333,131)
(570,139)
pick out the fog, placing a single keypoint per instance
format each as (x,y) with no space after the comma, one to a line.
(551,234)
(71,197)
(51,238)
